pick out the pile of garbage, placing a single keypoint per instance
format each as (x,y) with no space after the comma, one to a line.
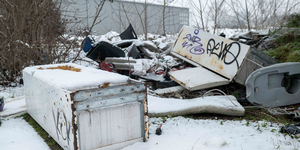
(154,63)
(133,57)
(198,62)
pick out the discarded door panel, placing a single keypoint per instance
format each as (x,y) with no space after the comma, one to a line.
(81,111)
(275,85)
(218,59)
(216,53)
(197,78)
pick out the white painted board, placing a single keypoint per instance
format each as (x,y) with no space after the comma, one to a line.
(219,54)
(197,78)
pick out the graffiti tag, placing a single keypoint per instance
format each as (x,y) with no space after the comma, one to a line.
(224,50)
(60,121)
(193,42)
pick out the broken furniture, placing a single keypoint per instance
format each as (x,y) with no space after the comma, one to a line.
(275,85)
(86,108)
(217,59)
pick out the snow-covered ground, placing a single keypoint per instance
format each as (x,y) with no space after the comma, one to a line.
(178,133)
(16,134)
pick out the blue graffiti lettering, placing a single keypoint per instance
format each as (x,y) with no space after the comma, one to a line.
(196,31)
(190,42)
(197,50)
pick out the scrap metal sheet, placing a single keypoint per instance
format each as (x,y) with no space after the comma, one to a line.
(219,54)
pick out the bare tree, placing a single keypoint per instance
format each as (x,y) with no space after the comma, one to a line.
(164,17)
(145,20)
(199,10)
(261,14)
(243,11)
(216,7)
(96,20)
(170,16)
(264,10)
(276,6)
(233,7)
(144,16)
(248,13)
(31,32)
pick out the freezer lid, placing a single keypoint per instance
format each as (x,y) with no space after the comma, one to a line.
(73,77)
(216,53)
(197,78)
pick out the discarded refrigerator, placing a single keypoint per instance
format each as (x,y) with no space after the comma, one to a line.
(86,108)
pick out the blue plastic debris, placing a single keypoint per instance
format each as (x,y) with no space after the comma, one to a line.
(86,44)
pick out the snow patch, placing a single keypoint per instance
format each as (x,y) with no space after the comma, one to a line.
(215,141)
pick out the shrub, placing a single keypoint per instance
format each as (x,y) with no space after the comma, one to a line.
(293,21)
(30,34)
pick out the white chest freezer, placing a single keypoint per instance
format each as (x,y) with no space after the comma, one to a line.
(86,108)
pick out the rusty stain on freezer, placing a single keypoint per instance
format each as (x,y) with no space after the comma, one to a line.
(74,123)
(146,120)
